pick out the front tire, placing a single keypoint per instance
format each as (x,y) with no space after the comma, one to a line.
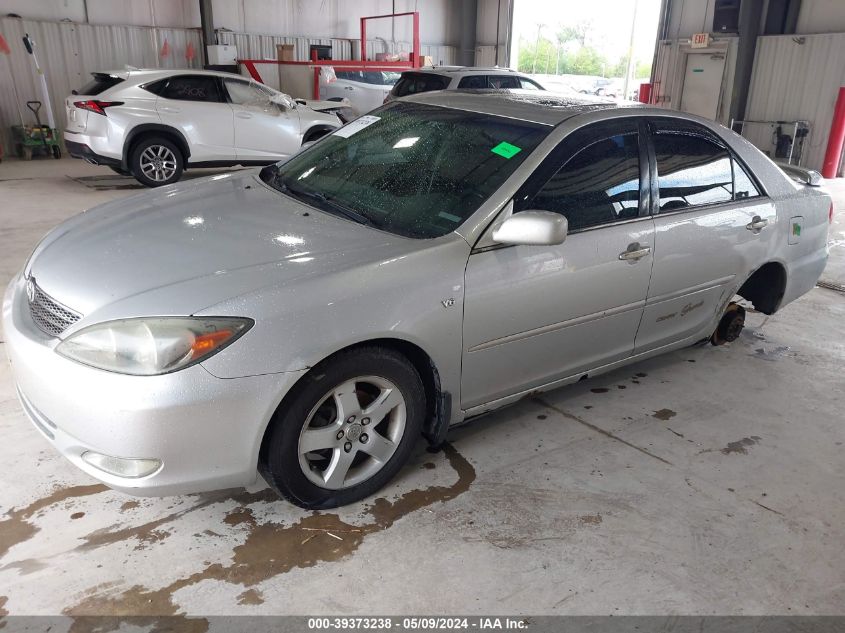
(156,161)
(345,431)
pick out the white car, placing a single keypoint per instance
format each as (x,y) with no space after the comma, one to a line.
(365,89)
(153,124)
(460,78)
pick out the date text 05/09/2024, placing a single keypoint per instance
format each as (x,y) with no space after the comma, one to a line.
(417,623)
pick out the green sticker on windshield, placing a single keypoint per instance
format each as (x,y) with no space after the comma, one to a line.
(506,150)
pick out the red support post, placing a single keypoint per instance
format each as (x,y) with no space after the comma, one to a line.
(363,39)
(415,55)
(252,70)
(645,93)
(836,139)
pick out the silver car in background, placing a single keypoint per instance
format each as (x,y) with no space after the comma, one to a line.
(425,264)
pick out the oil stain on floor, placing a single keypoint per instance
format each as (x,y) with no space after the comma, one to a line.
(269,549)
(741,446)
(16,527)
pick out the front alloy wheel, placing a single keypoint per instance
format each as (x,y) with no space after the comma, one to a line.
(345,429)
(352,432)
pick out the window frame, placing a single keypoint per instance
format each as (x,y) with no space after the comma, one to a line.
(530,81)
(692,128)
(571,145)
(249,82)
(222,95)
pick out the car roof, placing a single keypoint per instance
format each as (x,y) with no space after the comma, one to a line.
(465,70)
(528,105)
(125,73)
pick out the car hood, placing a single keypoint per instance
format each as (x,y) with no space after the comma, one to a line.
(179,249)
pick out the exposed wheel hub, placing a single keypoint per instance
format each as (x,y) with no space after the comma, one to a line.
(353,432)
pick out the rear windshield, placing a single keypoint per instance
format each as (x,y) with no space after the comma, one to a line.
(100,83)
(412,169)
(413,83)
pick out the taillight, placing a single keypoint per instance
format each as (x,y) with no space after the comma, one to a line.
(830,214)
(96,106)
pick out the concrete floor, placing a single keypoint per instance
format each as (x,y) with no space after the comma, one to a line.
(707,481)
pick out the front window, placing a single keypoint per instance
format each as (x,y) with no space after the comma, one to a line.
(411,169)
(599,182)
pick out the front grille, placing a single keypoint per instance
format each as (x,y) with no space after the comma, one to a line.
(50,315)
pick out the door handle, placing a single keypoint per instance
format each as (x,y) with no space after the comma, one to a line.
(634,252)
(169,109)
(757,224)
(243,115)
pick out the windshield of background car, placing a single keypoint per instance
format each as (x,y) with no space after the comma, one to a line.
(412,169)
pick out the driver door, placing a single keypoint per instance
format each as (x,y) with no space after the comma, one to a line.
(263,129)
(536,314)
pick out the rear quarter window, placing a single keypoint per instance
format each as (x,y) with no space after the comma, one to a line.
(100,83)
(414,83)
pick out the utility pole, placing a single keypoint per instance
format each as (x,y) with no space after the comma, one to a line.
(629,70)
(536,50)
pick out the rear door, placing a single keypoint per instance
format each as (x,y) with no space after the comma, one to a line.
(711,225)
(263,130)
(194,105)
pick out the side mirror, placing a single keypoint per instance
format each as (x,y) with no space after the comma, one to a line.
(542,228)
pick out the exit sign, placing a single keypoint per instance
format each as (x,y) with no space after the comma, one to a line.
(701,40)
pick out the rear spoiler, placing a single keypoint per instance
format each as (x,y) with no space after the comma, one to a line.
(802,174)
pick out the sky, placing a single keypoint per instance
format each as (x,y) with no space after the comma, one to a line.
(611,21)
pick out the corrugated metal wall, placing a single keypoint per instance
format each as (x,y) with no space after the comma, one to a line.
(69,52)
(796,77)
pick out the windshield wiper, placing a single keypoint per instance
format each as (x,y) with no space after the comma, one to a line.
(326,201)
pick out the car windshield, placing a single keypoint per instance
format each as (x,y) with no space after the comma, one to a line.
(411,169)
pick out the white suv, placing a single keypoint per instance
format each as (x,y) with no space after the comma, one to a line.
(153,124)
(460,78)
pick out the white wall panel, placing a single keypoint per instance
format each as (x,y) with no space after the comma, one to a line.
(794,81)
(315,18)
(687,17)
(821,16)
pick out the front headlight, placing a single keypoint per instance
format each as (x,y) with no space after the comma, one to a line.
(152,346)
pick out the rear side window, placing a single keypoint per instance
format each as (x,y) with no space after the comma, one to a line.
(744,187)
(599,182)
(100,83)
(496,82)
(527,84)
(473,82)
(691,170)
(414,83)
(192,88)
(503,82)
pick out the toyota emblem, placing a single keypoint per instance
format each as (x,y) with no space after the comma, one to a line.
(30,289)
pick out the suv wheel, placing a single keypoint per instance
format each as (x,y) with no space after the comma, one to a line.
(348,429)
(156,161)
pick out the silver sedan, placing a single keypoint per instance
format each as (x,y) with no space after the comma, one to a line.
(423,265)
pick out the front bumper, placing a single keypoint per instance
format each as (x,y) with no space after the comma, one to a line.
(205,430)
